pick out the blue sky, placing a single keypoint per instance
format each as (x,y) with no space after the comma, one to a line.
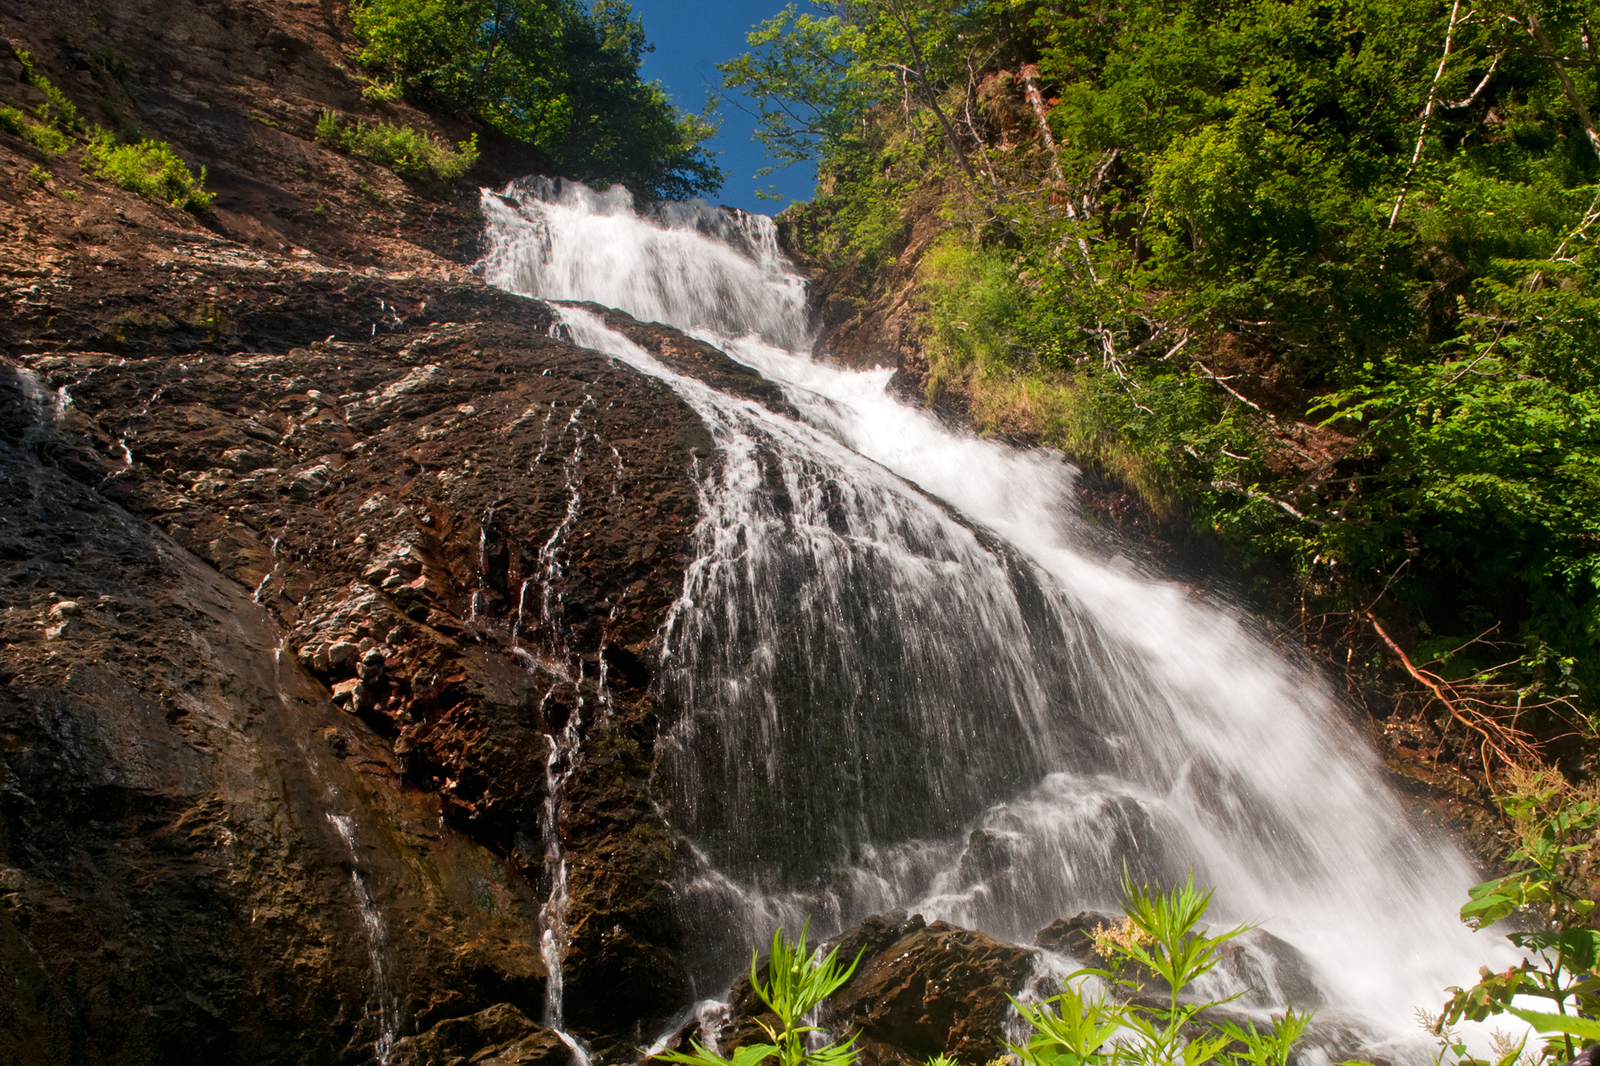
(691,38)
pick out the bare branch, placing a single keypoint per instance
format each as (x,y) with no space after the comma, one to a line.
(1427,112)
(1496,736)
(929,93)
(1536,30)
(1467,101)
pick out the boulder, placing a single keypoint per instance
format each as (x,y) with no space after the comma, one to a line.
(932,989)
(1074,936)
(1273,969)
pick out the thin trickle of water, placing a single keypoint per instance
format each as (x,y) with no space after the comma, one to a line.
(479,600)
(266,579)
(563,705)
(46,406)
(377,937)
(553,914)
(522,603)
(898,677)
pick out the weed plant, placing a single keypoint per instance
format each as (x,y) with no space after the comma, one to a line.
(796,983)
(408,152)
(1160,948)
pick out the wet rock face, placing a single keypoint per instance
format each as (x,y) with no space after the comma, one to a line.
(1074,936)
(256,586)
(499,1036)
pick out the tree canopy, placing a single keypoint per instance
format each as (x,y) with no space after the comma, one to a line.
(562,75)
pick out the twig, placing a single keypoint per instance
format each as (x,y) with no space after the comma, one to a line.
(1515,738)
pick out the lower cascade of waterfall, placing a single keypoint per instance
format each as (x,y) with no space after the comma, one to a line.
(899,677)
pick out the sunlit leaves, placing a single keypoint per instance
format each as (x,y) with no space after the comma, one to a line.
(559,74)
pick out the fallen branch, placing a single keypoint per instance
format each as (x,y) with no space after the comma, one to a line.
(1030,82)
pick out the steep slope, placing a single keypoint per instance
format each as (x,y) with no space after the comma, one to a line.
(329,587)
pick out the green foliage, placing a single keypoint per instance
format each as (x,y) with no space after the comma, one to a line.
(408,152)
(974,302)
(383,92)
(49,127)
(57,109)
(559,74)
(149,168)
(810,83)
(797,982)
(1248,278)
(1555,824)
(46,138)
(1158,949)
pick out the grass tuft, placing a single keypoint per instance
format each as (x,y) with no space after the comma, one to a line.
(46,138)
(409,153)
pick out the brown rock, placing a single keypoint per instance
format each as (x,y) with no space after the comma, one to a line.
(499,1036)
(938,989)
(298,424)
(1075,936)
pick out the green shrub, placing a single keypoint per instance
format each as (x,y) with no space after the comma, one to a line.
(409,153)
(47,139)
(561,75)
(384,92)
(149,168)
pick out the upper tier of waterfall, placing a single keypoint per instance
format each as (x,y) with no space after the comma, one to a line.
(899,677)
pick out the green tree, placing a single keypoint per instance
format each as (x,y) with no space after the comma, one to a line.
(561,75)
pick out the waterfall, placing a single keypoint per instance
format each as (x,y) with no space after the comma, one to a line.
(899,675)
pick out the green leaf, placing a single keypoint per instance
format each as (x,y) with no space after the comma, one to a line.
(1587,1028)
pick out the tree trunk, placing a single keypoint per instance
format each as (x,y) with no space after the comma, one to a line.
(928,91)
(1030,80)
(1537,31)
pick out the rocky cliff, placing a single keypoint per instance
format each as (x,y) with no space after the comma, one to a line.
(329,586)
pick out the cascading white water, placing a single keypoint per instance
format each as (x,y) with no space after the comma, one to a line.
(898,677)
